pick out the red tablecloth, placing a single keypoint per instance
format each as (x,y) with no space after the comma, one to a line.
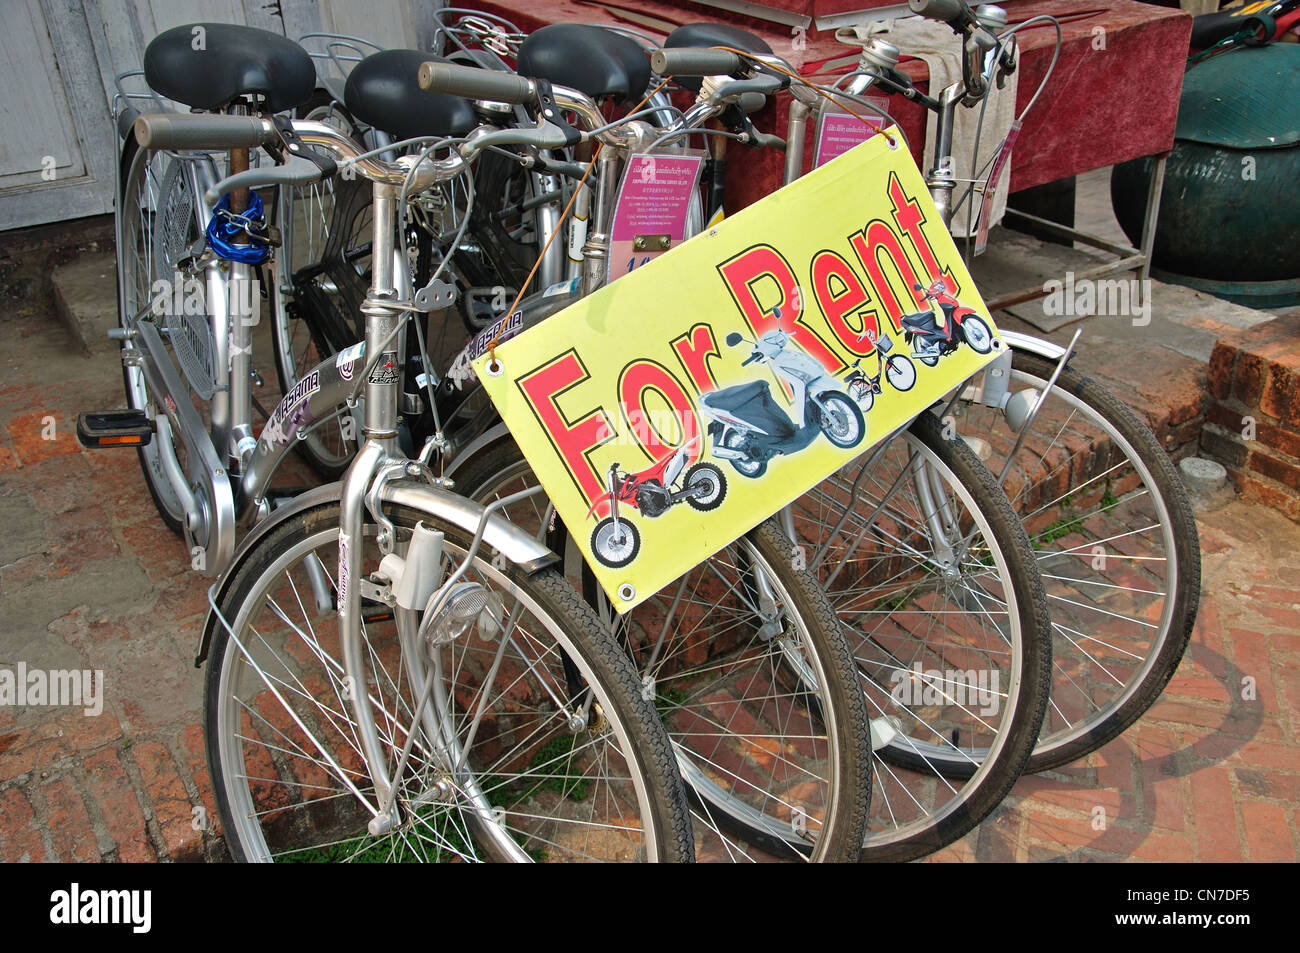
(1113,95)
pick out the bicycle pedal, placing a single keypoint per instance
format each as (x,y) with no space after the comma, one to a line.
(114,428)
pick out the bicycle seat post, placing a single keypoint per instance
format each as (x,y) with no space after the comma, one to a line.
(239,197)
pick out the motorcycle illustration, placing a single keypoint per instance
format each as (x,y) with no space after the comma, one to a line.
(898,369)
(749,428)
(616,541)
(931,339)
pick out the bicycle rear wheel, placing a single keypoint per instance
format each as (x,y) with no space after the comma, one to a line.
(534,744)
(1115,538)
(318,279)
(156,227)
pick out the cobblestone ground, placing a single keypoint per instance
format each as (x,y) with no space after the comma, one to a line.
(90,579)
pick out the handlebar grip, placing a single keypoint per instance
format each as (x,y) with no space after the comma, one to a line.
(202,131)
(685,61)
(471,83)
(953,12)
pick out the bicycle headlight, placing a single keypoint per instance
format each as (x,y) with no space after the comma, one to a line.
(458,612)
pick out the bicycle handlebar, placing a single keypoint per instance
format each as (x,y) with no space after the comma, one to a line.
(956,13)
(472,83)
(202,131)
(686,61)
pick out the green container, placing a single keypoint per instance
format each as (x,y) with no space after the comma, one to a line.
(1230,211)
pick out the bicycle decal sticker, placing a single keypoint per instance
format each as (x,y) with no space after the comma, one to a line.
(387,370)
(346,360)
(650,213)
(673,410)
(292,413)
(1000,162)
(461,369)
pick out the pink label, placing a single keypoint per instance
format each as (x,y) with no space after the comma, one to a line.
(653,202)
(991,190)
(838,132)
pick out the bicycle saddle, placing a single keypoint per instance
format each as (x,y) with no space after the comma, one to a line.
(713,34)
(208,65)
(590,59)
(382,90)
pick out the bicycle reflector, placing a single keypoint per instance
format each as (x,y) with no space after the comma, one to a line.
(459,609)
(114,428)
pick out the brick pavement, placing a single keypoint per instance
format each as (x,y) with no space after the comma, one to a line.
(90,579)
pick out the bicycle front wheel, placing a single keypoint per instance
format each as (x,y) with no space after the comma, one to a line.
(1115,539)
(532,743)
(933,580)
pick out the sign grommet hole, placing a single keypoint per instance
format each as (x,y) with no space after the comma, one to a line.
(626,592)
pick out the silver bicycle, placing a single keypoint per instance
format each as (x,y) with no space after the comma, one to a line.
(381,687)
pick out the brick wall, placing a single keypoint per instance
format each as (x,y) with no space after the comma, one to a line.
(1252,424)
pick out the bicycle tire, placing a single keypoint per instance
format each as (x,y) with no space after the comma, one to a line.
(135,274)
(272,755)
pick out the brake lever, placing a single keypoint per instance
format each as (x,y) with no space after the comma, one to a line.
(295,171)
(762,140)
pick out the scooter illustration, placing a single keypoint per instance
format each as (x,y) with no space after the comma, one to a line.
(749,428)
(615,541)
(898,369)
(947,322)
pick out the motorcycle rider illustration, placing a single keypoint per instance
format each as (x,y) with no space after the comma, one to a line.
(616,541)
(946,322)
(749,427)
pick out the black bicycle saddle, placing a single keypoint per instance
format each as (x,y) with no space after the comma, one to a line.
(209,65)
(383,90)
(590,59)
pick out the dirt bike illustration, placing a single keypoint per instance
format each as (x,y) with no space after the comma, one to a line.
(616,541)
(749,428)
(931,339)
(898,369)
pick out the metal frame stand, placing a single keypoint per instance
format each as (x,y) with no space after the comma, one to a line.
(1129,257)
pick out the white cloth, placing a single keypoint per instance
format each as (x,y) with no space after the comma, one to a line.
(940,49)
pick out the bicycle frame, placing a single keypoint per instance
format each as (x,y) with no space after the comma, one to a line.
(379,474)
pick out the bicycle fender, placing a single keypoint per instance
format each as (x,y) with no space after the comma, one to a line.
(1033,345)
(500,535)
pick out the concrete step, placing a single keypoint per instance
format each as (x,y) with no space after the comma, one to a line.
(85,300)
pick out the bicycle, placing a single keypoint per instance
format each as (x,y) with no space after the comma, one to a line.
(741,622)
(302,767)
(1023,671)
(828,825)
(1020,603)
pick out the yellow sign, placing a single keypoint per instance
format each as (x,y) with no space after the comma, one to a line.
(680,406)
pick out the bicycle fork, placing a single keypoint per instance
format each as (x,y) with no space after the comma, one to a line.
(414,582)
